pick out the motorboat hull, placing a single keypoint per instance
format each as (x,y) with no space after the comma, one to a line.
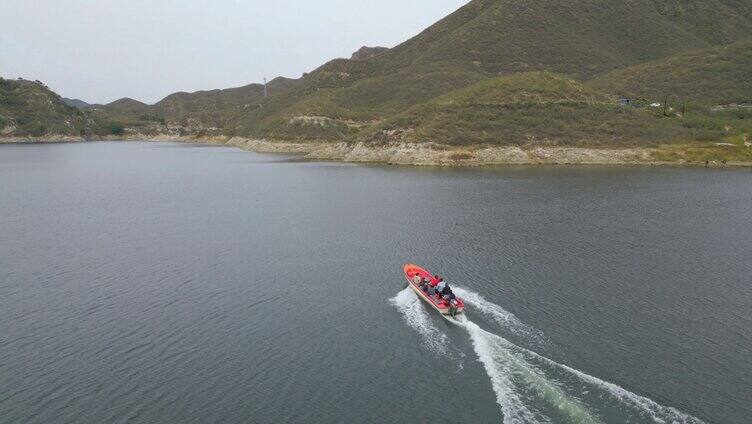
(410,271)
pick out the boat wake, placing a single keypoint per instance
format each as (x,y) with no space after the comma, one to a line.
(505,319)
(529,387)
(419,320)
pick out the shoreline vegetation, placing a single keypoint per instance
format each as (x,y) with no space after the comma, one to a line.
(435,154)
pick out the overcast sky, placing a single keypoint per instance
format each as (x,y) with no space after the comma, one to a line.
(102,50)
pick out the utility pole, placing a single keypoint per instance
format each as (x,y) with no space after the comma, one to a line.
(266,89)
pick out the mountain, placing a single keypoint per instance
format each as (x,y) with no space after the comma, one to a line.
(214,107)
(711,76)
(76,103)
(29,108)
(201,109)
(126,105)
(581,39)
(463,69)
(124,111)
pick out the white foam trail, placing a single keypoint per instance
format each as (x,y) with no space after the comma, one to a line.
(417,318)
(506,365)
(501,365)
(512,406)
(507,320)
(659,413)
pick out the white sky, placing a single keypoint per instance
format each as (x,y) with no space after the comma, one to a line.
(102,50)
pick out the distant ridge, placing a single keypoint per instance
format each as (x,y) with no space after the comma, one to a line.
(206,108)
(76,103)
(126,102)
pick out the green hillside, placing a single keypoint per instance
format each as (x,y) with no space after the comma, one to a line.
(495,71)
(577,38)
(29,108)
(485,38)
(536,108)
(718,75)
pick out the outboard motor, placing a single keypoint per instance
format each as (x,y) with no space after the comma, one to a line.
(453,307)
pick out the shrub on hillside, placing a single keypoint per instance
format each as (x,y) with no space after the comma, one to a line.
(38,130)
(115,128)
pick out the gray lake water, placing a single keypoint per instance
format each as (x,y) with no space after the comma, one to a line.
(167,283)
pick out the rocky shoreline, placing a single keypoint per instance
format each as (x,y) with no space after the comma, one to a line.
(419,154)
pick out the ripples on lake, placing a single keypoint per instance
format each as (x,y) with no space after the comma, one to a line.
(145,283)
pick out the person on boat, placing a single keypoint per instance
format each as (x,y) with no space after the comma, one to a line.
(431,290)
(440,287)
(417,278)
(435,280)
(450,297)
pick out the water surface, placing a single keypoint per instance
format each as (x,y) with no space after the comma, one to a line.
(158,282)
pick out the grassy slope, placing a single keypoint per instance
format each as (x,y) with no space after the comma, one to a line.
(741,7)
(709,76)
(542,108)
(490,37)
(579,38)
(30,108)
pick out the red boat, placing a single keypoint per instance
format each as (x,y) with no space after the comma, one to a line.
(441,305)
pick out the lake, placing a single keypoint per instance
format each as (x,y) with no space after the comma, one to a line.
(163,283)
